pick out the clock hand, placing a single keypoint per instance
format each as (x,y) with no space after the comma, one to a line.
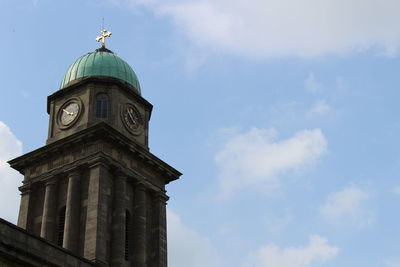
(131,116)
(68,113)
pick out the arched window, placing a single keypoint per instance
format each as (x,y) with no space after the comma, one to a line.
(60,226)
(101,106)
(127,234)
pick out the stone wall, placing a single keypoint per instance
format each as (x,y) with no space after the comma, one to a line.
(20,248)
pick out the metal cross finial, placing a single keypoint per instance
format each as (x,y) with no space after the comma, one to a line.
(102,38)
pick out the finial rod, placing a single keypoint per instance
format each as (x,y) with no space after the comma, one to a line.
(102,38)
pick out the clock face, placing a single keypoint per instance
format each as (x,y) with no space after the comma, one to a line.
(132,119)
(69,112)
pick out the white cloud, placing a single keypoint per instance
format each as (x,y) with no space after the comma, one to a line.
(186,247)
(256,159)
(275,28)
(10,147)
(317,251)
(319,108)
(278,223)
(396,190)
(347,206)
(313,85)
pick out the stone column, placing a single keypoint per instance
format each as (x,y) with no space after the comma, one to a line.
(140,237)
(24,207)
(49,217)
(96,232)
(161,229)
(118,222)
(72,216)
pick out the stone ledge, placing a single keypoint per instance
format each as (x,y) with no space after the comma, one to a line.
(98,131)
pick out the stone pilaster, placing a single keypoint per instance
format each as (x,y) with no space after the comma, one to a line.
(49,217)
(96,232)
(72,215)
(140,236)
(118,222)
(161,229)
(24,207)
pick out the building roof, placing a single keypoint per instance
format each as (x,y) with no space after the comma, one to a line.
(101,62)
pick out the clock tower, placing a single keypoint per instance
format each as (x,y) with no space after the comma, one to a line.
(94,188)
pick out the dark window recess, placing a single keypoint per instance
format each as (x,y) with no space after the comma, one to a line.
(102,106)
(60,227)
(127,234)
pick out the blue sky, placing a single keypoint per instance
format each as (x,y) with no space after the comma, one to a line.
(282,115)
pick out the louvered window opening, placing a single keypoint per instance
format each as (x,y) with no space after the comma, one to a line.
(127,234)
(60,227)
(102,106)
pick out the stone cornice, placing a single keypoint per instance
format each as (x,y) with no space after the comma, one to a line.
(85,162)
(97,132)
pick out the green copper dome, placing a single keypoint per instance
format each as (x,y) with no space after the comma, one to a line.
(101,62)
